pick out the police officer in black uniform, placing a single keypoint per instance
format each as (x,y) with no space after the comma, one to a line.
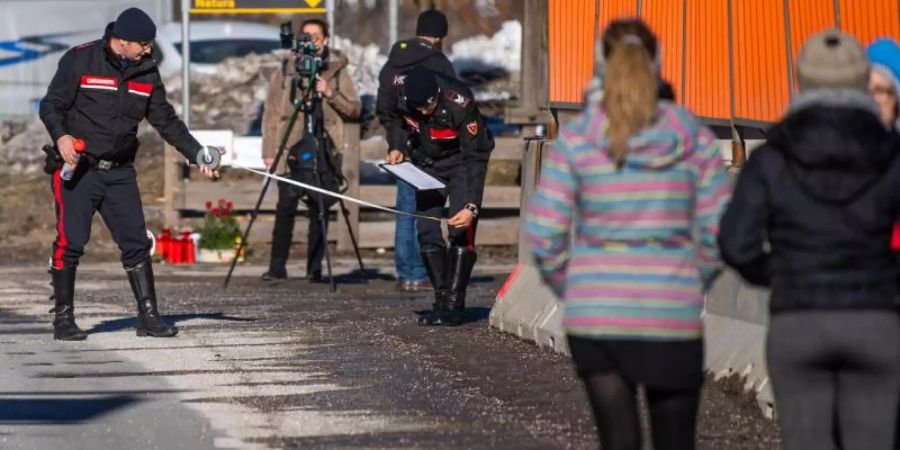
(424,50)
(100,93)
(446,137)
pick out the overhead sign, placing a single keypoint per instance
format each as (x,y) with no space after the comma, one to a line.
(257,7)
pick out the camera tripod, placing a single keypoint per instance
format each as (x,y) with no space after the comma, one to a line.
(310,103)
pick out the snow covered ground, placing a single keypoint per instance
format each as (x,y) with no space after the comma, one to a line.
(503,50)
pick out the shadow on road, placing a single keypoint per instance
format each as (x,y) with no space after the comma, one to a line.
(60,410)
(474,314)
(109,326)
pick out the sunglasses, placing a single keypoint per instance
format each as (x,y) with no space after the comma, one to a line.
(883,90)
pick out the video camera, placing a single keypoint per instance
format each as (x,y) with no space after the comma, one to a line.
(309,63)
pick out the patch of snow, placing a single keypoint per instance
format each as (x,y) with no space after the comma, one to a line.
(502,50)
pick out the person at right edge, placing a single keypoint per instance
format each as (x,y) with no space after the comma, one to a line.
(641,184)
(811,220)
(424,50)
(449,141)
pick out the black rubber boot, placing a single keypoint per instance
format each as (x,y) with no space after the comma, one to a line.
(276,270)
(64,327)
(149,323)
(435,261)
(461,261)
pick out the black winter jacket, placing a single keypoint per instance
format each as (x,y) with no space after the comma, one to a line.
(404,56)
(93,98)
(454,134)
(813,209)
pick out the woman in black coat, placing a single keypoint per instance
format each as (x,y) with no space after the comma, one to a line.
(811,219)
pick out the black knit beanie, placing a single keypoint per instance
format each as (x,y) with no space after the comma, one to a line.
(420,87)
(134,25)
(432,23)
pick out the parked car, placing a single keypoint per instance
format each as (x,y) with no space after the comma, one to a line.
(212,42)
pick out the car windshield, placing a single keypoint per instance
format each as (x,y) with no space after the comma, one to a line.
(213,52)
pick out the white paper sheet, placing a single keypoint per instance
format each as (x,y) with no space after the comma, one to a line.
(411,174)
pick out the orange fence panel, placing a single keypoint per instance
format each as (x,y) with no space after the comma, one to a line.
(707,89)
(615,9)
(870,19)
(571,41)
(761,85)
(666,18)
(808,17)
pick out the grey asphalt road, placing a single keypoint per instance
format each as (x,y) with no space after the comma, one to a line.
(291,365)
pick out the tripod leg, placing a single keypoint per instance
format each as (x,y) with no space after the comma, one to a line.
(285,133)
(323,220)
(243,243)
(346,214)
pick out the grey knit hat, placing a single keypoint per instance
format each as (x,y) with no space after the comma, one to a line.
(832,60)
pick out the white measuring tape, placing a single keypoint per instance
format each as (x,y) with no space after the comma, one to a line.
(332,194)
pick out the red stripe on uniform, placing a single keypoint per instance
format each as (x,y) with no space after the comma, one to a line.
(443,133)
(412,123)
(140,88)
(61,241)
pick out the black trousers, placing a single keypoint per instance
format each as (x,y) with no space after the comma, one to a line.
(289,197)
(611,372)
(432,202)
(115,194)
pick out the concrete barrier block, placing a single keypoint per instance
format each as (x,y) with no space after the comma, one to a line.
(528,309)
(735,320)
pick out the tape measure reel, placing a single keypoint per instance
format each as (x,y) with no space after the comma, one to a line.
(209,157)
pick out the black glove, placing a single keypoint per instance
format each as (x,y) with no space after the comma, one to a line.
(53,161)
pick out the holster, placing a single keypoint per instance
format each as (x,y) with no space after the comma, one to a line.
(53,161)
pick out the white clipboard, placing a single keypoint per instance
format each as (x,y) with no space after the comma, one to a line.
(411,174)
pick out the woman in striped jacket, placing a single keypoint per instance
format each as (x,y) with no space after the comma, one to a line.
(623,228)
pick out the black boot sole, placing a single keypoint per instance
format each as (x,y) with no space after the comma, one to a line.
(446,323)
(149,333)
(429,321)
(70,337)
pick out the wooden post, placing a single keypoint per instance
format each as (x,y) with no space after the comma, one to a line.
(533,105)
(531,163)
(534,95)
(171,185)
(350,167)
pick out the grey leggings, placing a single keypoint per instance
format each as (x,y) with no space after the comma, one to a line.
(836,378)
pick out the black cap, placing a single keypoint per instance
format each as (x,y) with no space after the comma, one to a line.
(432,23)
(420,87)
(134,25)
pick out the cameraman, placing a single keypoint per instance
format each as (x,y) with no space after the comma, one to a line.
(336,92)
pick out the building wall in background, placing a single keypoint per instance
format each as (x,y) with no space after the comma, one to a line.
(737,54)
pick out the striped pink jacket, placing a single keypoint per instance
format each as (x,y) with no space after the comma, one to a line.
(630,250)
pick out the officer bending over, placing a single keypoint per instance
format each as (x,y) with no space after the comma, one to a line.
(448,140)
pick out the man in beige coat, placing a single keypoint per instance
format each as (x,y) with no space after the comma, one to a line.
(339,102)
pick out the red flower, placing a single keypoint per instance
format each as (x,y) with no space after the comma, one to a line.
(230,206)
(208,205)
(221,202)
(215,212)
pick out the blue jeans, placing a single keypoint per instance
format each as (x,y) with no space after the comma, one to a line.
(407,260)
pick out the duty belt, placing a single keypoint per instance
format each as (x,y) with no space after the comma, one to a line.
(103,164)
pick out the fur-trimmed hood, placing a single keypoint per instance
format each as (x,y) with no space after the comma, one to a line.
(834,143)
